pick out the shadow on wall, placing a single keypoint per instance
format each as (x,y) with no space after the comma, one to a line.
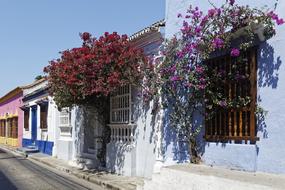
(79,132)
(268,77)
(88,127)
(116,157)
(174,140)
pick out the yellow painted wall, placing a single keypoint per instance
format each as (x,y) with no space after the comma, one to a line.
(9,141)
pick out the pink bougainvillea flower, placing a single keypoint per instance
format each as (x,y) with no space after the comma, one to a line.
(85,36)
(235,52)
(280,21)
(199,69)
(211,12)
(175,78)
(232,2)
(218,43)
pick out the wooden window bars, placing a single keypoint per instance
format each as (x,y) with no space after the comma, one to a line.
(235,124)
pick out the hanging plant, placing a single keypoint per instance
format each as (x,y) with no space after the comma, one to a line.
(188,83)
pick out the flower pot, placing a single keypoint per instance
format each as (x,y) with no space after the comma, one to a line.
(256,28)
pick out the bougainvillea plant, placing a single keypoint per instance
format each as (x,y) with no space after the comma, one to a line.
(94,70)
(187,82)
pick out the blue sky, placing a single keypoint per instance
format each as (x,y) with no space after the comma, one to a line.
(33,32)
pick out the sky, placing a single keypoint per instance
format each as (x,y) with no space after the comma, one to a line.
(33,32)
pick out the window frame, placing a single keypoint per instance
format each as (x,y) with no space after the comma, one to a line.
(67,126)
(44,116)
(238,124)
(117,108)
(27,119)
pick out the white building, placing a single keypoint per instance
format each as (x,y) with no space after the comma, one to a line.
(39,111)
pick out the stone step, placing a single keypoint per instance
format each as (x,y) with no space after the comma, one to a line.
(29,149)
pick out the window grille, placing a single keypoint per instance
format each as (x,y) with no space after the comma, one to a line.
(65,122)
(122,118)
(120,103)
(3,128)
(235,124)
(14,132)
(12,125)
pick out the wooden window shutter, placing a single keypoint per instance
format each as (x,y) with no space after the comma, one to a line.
(26,119)
(43,116)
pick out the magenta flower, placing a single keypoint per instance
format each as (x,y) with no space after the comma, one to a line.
(199,69)
(218,43)
(273,15)
(235,52)
(204,21)
(232,2)
(175,78)
(219,11)
(280,21)
(211,12)
(198,30)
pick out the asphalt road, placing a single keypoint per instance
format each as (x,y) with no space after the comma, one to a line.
(20,173)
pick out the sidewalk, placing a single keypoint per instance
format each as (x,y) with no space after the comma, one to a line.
(104,179)
(201,177)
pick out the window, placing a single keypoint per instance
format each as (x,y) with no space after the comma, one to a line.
(120,103)
(65,122)
(3,128)
(14,123)
(43,116)
(26,119)
(235,124)
(122,115)
(9,127)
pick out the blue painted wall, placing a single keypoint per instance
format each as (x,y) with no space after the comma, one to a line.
(268,154)
(43,146)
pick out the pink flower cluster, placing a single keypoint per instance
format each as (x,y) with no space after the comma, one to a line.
(275,17)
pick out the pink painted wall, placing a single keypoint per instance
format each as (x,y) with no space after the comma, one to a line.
(12,106)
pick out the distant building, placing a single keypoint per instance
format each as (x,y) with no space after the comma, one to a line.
(38,108)
(11,118)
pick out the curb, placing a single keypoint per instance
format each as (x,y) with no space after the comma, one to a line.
(87,177)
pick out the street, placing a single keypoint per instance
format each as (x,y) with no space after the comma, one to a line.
(20,173)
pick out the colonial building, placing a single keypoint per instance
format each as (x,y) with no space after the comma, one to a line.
(38,108)
(260,146)
(132,146)
(124,140)
(11,118)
